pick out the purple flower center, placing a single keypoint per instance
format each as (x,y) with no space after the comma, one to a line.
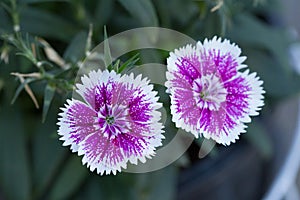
(112,120)
(209,92)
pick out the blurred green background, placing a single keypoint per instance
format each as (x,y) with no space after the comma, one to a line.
(52,42)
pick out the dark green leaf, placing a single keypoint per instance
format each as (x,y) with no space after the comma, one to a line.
(72,176)
(41,1)
(46,24)
(103,11)
(250,31)
(48,96)
(95,187)
(5,22)
(258,137)
(142,10)
(48,156)
(14,164)
(129,63)
(158,185)
(270,72)
(76,49)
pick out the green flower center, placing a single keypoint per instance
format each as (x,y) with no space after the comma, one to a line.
(110,120)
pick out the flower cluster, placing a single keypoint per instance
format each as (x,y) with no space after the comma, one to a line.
(212,95)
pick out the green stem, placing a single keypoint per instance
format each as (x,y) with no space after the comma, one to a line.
(15,15)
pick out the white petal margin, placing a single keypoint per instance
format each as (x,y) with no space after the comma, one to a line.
(256,98)
(154,138)
(224,47)
(102,166)
(64,123)
(185,51)
(226,139)
(95,78)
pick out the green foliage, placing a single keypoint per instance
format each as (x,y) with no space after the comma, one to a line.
(14,160)
(48,97)
(143,11)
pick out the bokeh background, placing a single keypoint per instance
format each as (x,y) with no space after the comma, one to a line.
(43,42)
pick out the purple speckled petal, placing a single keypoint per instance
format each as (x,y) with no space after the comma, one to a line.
(237,99)
(102,154)
(131,145)
(213,62)
(189,67)
(76,123)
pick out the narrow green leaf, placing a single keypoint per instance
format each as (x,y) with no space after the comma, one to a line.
(20,88)
(63,73)
(116,65)
(107,55)
(129,63)
(142,10)
(207,147)
(48,96)
(76,49)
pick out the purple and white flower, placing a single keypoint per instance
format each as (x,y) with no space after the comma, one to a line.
(210,95)
(117,122)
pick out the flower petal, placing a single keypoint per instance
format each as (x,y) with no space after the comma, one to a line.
(76,123)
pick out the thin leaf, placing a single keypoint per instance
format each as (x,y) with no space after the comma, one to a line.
(142,10)
(88,44)
(206,147)
(20,88)
(107,55)
(48,97)
(64,73)
(76,49)
(129,63)
(116,65)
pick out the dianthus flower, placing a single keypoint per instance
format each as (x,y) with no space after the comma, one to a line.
(210,94)
(116,122)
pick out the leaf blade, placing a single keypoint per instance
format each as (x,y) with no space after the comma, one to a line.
(141,10)
(48,97)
